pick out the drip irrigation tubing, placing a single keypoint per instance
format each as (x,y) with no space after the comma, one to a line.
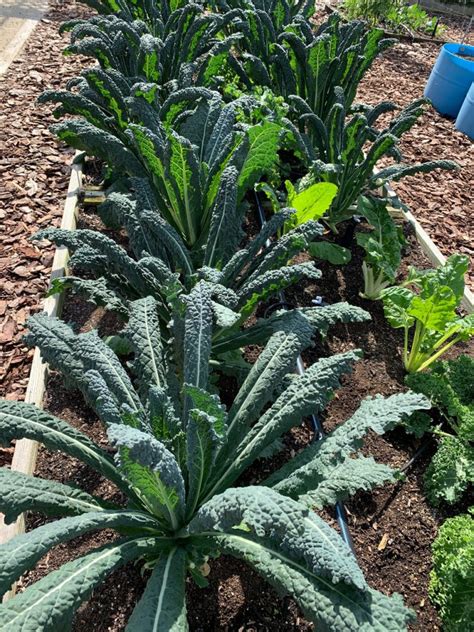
(340,510)
(415,457)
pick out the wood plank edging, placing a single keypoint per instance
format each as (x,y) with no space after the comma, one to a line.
(26,450)
(430,249)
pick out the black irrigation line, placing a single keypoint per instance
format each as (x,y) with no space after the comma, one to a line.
(341,514)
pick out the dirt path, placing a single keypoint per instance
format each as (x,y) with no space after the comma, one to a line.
(442,201)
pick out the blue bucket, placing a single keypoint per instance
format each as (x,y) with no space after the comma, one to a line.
(465,119)
(450,79)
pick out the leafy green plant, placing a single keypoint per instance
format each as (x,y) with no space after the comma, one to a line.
(413,17)
(149,11)
(382,246)
(397,15)
(177,454)
(344,149)
(452,576)
(186,48)
(308,66)
(309,203)
(448,385)
(429,308)
(192,152)
(162,268)
(374,11)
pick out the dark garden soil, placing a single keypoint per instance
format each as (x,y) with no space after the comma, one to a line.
(393,527)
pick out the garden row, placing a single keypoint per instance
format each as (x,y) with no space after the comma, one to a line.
(207,119)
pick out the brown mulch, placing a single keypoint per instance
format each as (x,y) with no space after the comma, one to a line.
(442,201)
(34,172)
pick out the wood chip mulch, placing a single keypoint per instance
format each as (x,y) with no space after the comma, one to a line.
(442,201)
(34,171)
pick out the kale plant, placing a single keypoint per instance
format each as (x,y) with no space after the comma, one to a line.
(177,454)
(186,49)
(452,576)
(163,268)
(449,387)
(344,149)
(195,156)
(150,11)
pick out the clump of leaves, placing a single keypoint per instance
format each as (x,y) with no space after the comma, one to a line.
(449,387)
(430,309)
(344,147)
(158,264)
(452,576)
(192,152)
(149,11)
(178,452)
(382,246)
(187,47)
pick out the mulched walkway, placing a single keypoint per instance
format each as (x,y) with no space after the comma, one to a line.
(34,171)
(442,201)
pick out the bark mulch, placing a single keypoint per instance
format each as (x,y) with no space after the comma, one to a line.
(442,201)
(34,171)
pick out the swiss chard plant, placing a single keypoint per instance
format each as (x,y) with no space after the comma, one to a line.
(344,149)
(452,577)
(427,304)
(178,452)
(382,246)
(449,387)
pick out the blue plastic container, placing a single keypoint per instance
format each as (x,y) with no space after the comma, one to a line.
(465,119)
(450,79)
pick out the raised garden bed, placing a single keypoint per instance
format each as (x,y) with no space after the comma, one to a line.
(392,527)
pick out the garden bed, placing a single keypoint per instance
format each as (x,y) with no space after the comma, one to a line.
(392,527)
